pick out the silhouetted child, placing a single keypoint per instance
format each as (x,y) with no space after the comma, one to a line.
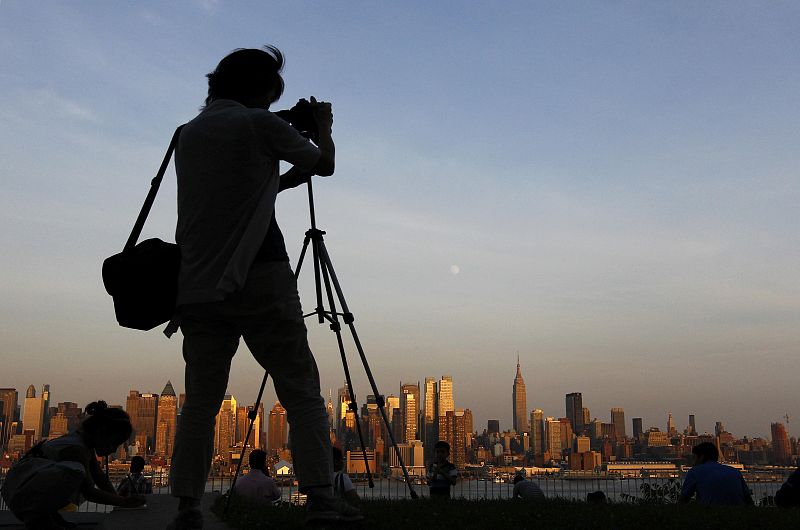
(135,483)
(442,474)
(65,470)
(342,485)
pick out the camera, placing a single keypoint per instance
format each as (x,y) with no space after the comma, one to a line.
(301,117)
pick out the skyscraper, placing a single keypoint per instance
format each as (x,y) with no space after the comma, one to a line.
(519,402)
(430,421)
(781,447)
(8,411)
(574,402)
(225,426)
(143,410)
(552,433)
(692,425)
(445,399)
(167,416)
(278,428)
(33,413)
(618,419)
(637,428)
(409,408)
(671,430)
(46,411)
(537,431)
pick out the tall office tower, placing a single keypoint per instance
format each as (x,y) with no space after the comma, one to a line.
(342,406)
(781,448)
(567,435)
(277,432)
(8,412)
(469,427)
(618,419)
(445,399)
(552,435)
(719,428)
(692,425)
(409,408)
(72,412)
(671,430)
(225,426)
(537,431)
(430,419)
(392,403)
(519,402)
(452,429)
(242,423)
(493,426)
(46,409)
(637,428)
(574,402)
(148,416)
(167,421)
(33,414)
(587,417)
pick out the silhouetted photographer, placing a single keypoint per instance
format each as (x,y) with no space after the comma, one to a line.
(235,280)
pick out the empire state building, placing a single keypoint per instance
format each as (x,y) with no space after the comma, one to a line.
(520,402)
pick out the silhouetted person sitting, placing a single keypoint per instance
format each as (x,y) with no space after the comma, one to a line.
(257,485)
(75,474)
(788,496)
(135,483)
(442,474)
(342,485)
(235,280)
(527,489)
(712,482)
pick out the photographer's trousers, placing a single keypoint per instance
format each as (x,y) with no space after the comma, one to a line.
(268,315)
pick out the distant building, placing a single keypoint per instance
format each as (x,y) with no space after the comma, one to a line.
(637,428)
(8,413)
(493,426)
(671,430)
(225,427)
(519,402)
(692,425)
(277,432)
(552,434)
(537,431)
(781,447)
(574,409)
(618,419)
(409,408)
(59,426)
(33,413)
(167,418)
(143,410)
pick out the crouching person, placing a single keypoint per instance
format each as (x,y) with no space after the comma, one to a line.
(65,470)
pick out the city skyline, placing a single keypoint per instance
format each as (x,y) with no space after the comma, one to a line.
(610,189)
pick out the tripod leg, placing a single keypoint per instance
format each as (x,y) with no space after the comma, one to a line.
(337,329)
(253,415)
(302,256)
(348,318)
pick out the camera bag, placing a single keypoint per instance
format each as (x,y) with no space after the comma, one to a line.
(143,278)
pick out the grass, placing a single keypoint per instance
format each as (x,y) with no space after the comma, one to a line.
(552,514)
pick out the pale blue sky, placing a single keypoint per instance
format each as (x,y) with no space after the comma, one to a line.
(617,182)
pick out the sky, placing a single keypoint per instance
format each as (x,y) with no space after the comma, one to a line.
(607,189)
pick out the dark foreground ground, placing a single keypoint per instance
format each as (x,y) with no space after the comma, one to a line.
(462,514)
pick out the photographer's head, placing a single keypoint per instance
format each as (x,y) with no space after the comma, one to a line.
(248,75)
(105,428)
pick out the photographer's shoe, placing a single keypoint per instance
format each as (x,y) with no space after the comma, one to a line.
(187,520)
(324,509)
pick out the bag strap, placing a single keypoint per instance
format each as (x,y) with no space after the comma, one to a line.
(151,195)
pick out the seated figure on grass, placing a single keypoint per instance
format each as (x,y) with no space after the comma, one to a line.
(712,482)
(342,485)
(135,483)
(442,474)
(59,474)
(257,485)
(788,496)
(527,489)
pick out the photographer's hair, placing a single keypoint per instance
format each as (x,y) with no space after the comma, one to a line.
(246,73)
(102,420)
(706,450)
(257,459)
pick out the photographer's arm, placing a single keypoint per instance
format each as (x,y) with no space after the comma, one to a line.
(293,178)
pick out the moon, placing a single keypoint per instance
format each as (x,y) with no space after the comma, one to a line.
(454,269)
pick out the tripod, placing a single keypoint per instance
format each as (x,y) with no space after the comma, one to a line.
(324,275)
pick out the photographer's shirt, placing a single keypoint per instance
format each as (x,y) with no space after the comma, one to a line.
(227,162)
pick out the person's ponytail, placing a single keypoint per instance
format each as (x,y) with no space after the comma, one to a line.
(108,421)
